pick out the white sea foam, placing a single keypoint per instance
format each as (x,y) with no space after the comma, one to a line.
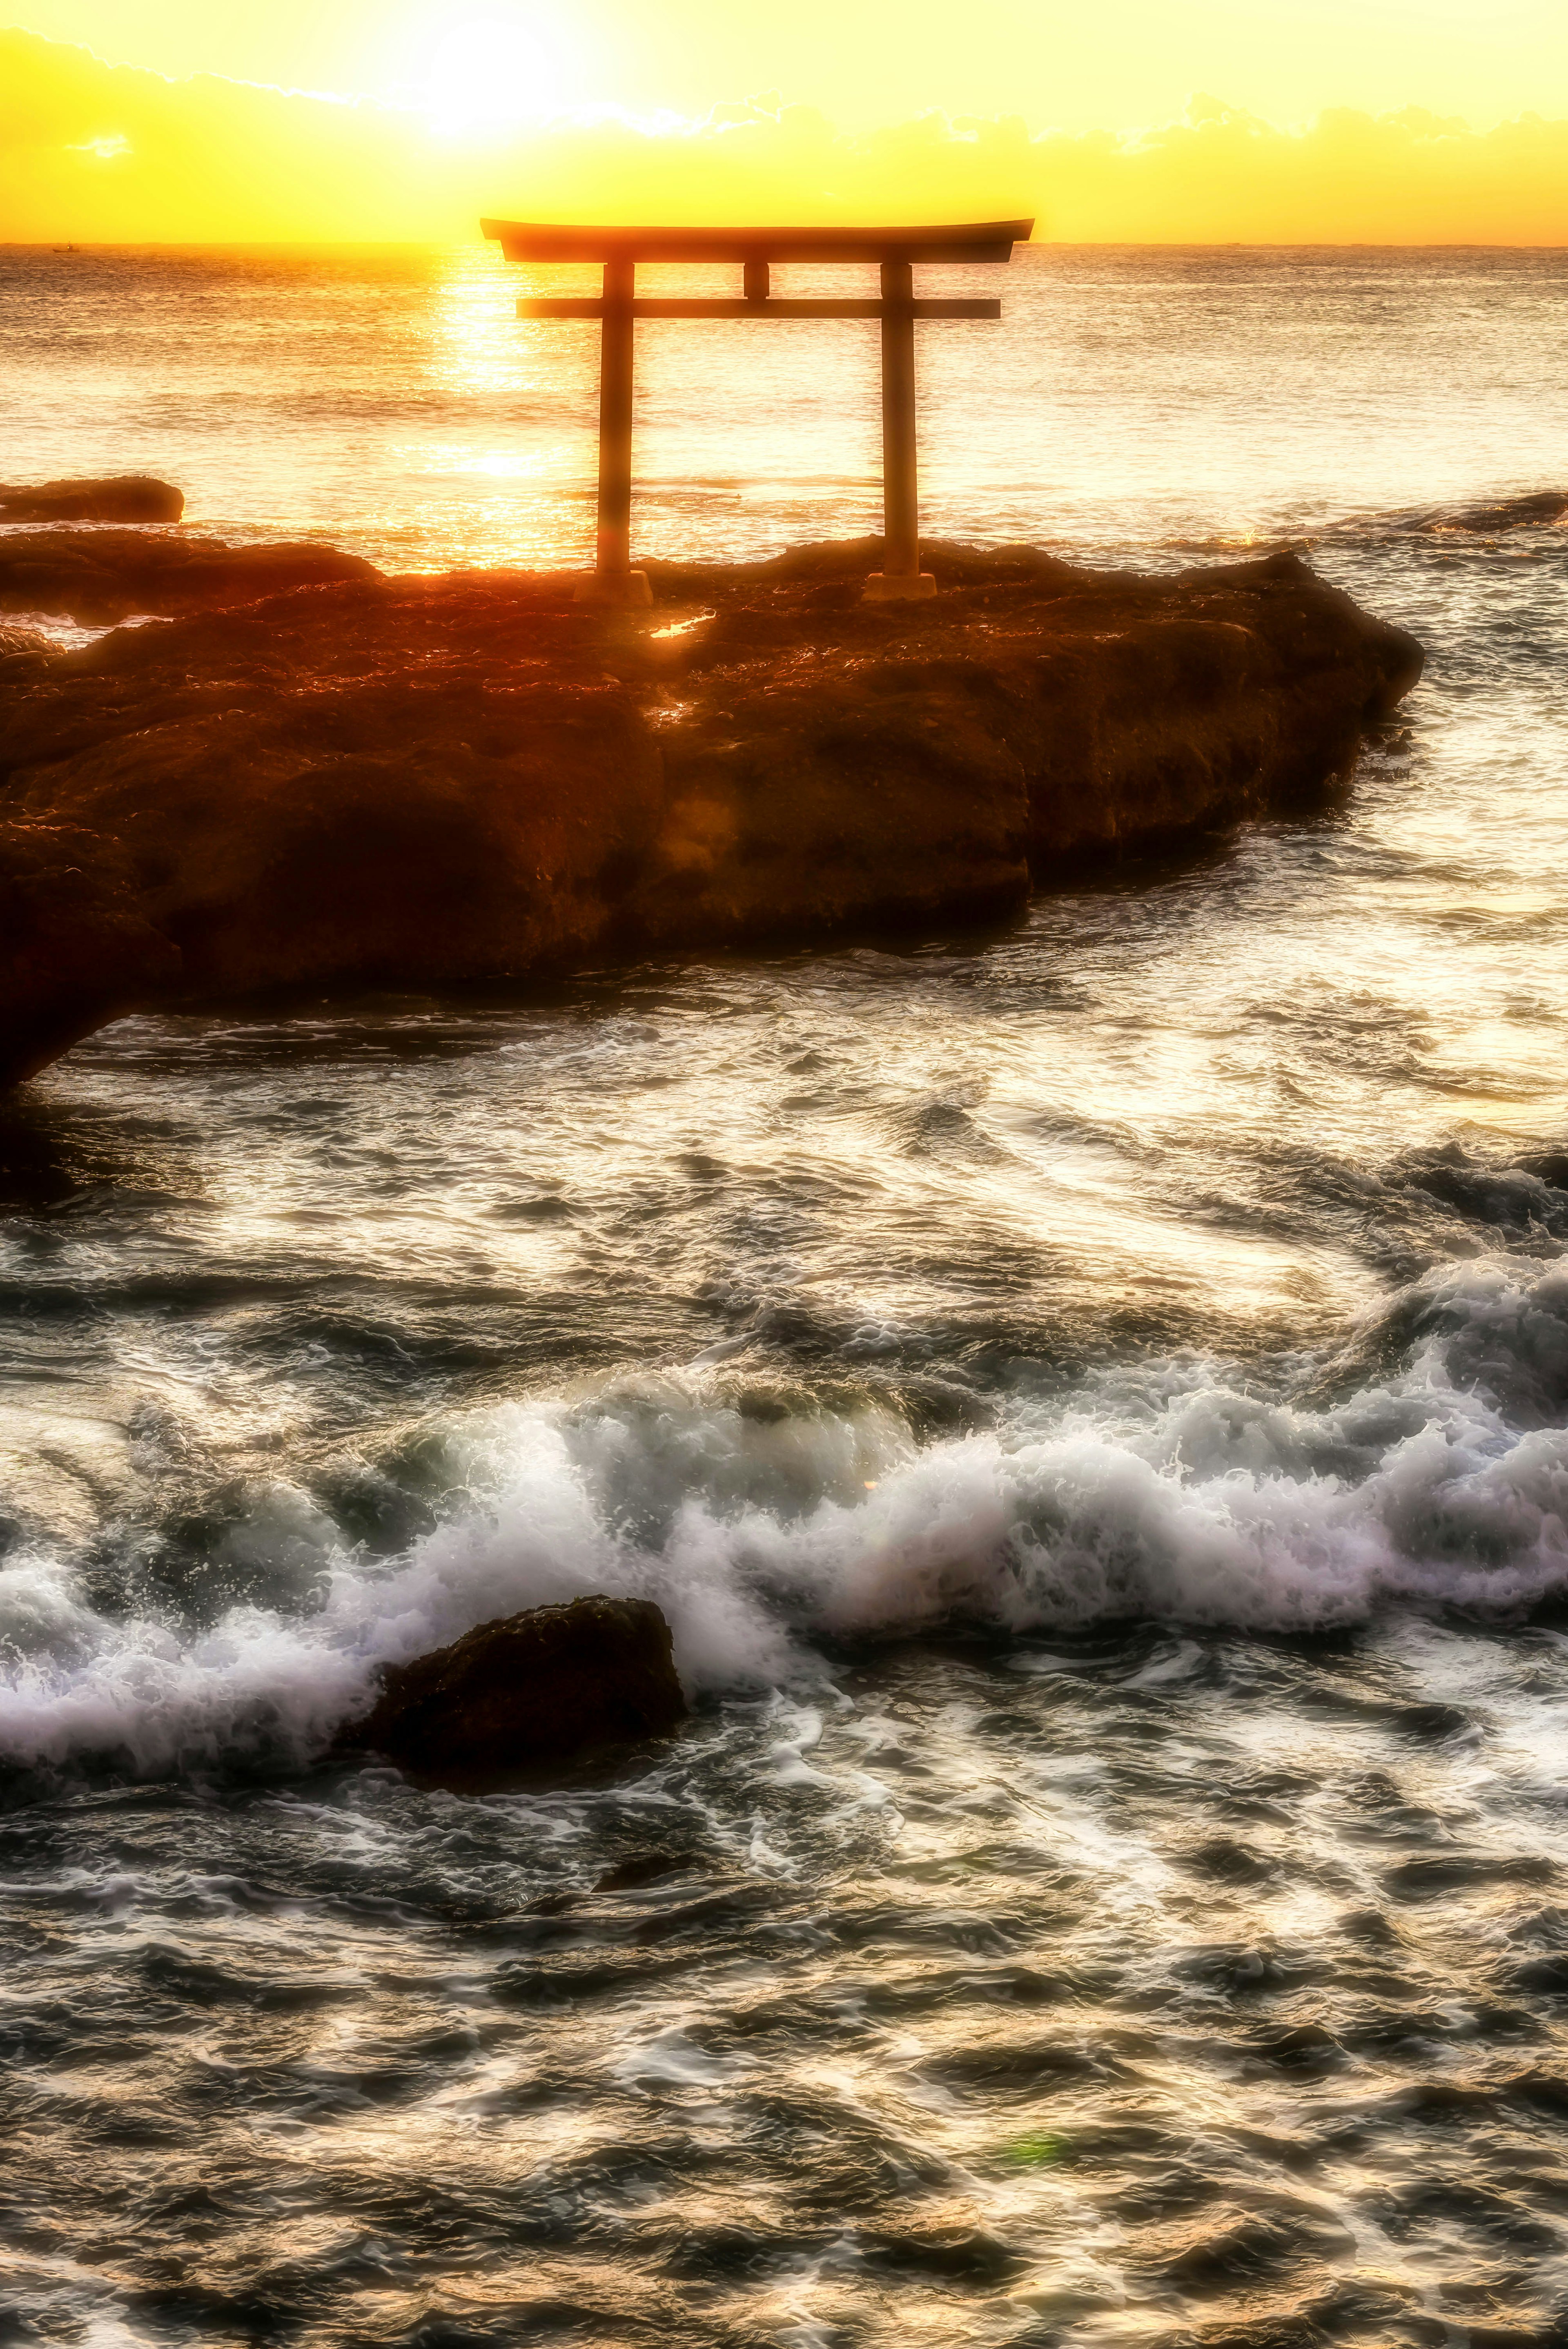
(1170,1493)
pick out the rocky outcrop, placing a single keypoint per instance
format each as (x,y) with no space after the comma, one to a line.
(97,578)
(125,497)
(527,1695)
(422,782)
(74,947)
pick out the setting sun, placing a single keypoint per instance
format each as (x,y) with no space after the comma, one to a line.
(486,72)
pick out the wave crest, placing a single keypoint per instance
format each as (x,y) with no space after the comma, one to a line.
(1177,1491)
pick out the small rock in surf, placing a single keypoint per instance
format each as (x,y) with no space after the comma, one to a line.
(525,1695)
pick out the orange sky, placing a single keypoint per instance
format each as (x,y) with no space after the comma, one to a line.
(181,122)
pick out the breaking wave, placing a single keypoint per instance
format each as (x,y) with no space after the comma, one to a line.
(1427,1468)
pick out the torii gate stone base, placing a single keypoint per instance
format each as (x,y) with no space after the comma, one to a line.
(896,250)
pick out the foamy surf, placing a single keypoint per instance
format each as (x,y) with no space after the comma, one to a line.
(1177,1492)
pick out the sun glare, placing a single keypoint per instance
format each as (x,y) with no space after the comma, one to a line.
(490,70)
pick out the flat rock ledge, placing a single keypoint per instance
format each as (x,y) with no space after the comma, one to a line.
(120,497)
(425,783)
(97,578)
(528,1695)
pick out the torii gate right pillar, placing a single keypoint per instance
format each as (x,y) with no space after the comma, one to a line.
(900,574)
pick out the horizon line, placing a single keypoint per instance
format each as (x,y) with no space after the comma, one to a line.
(1059,244)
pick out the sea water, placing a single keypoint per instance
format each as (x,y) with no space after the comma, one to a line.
(1089,1396)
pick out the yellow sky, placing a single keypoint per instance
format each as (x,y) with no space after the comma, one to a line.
(1314,120)
(1076,65)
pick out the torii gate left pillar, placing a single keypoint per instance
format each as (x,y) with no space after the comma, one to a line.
(618,307)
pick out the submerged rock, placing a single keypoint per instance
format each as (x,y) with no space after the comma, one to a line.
(425,783)
(124,497)
(1537,511)
(531,1692)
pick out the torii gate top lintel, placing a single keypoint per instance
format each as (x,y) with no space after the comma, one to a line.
(555,241)
(618,307)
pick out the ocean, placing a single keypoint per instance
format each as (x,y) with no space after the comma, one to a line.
(1090,1395)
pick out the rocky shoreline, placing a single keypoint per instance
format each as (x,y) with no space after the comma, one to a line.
(311,776)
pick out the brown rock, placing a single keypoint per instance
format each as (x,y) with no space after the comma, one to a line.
(97,578)
(75,950)
(949,754)
(424,782)
(127,497)
(527,1695)
(23,644)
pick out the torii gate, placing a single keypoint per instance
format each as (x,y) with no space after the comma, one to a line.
(612,580)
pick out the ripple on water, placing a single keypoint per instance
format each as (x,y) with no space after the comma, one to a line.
(724,2051)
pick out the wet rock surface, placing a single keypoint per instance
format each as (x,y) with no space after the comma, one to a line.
(121,497)
(74,947)
(530,1694)
(101,577)
(434,781)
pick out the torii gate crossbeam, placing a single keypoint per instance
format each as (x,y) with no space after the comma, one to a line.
(618,307)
